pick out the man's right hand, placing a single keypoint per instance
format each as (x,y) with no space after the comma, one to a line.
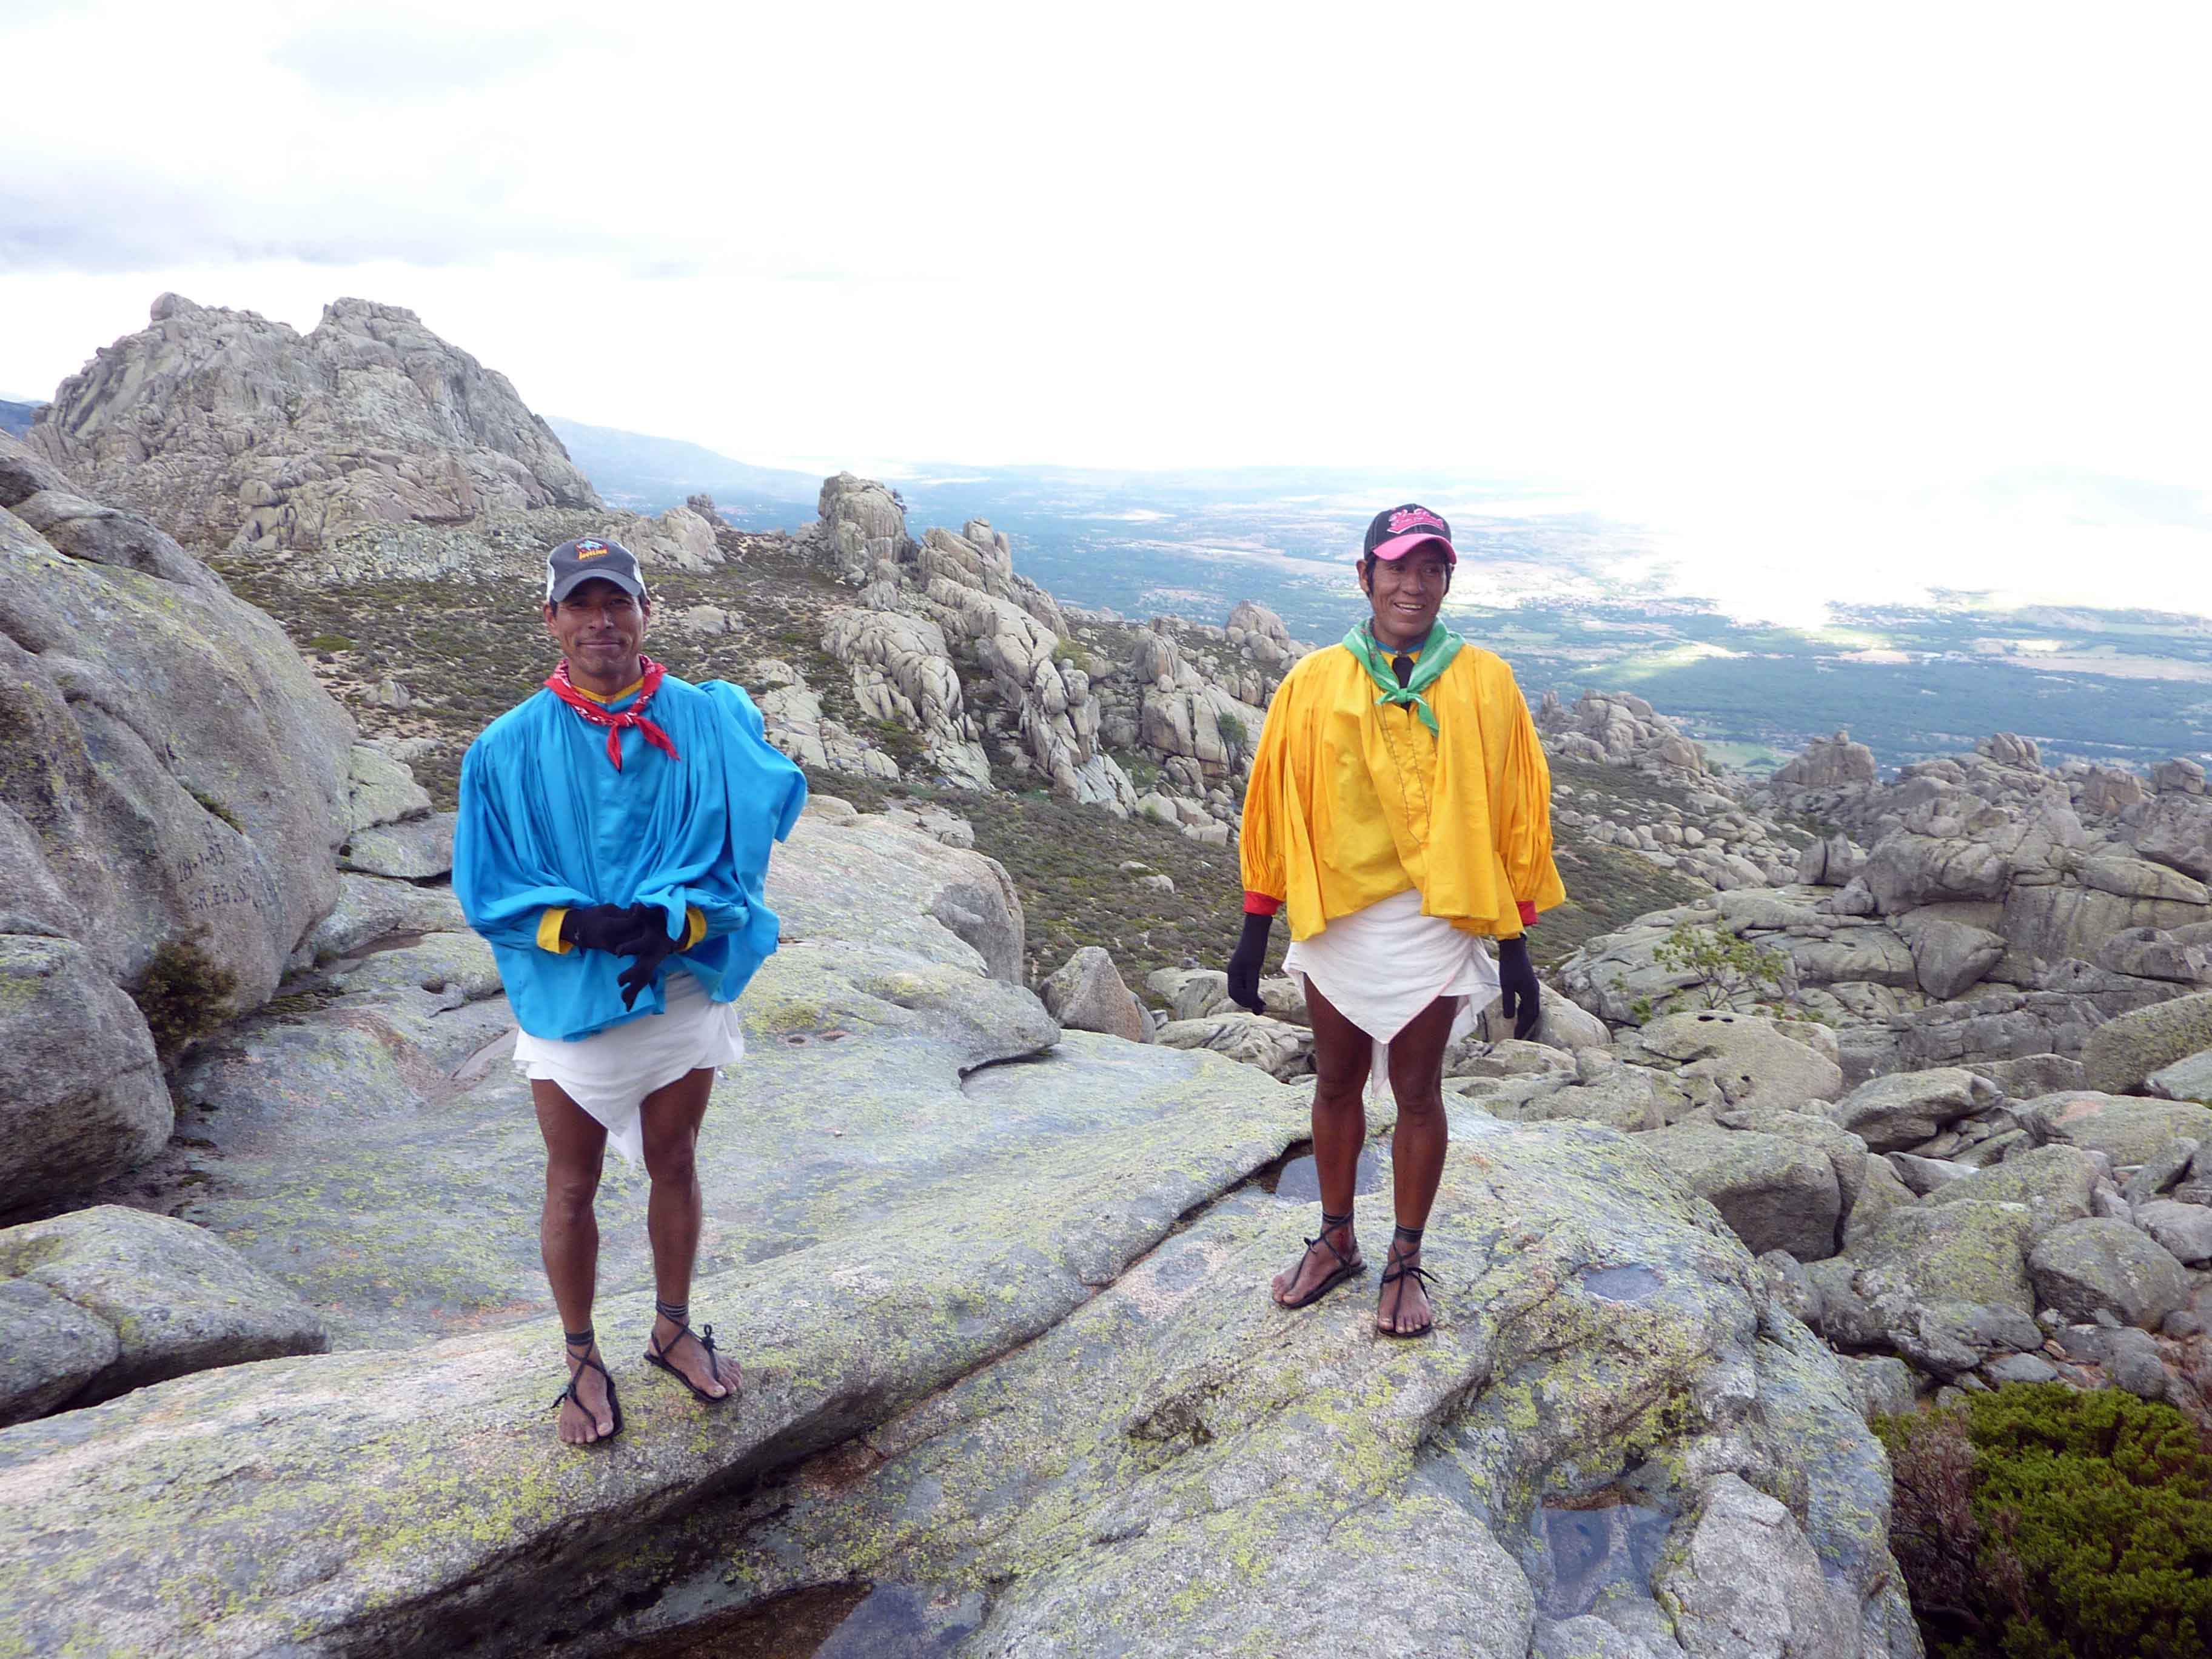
(608,927)
(1245,962)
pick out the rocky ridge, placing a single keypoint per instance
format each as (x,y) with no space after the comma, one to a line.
(367,447)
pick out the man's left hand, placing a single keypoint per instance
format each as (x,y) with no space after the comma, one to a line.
(650,947)
(1516,986)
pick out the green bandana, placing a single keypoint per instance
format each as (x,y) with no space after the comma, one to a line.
(1436,655)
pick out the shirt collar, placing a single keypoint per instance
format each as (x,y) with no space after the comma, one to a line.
(629,690)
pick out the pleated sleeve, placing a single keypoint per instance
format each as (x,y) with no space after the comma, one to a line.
(717,868)
(1520,785)
(504,871)
(1260,842)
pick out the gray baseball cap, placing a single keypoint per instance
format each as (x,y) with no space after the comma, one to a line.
(587,558)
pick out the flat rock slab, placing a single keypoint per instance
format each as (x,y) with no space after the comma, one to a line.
(227,1513)
(419,849)
(405,1205)
(2127,1128)
(170,1298)
(1181,1466)
(2188,1078)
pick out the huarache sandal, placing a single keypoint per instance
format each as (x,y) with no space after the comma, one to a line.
(1347,1266)
(583,1339)
(678,1313)
(1404,1242)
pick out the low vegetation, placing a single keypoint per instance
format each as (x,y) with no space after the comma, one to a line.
(2038,1522)
(184,994)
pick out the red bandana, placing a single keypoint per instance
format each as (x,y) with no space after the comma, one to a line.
(559,684)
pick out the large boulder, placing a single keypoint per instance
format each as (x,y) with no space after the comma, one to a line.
(2103,1265)
(81,1091)
(1282,1050)
(2123,1052)
(1742,1579)
(145,1297)
(1725,1057)
(2184,1229)
(2126,1128)
(2055,1185)
(2178,833)
(191,785)
(1087,994)
(1944,1285)
(1949,958)
(1777,1194)
(233,431)
(1906,1108)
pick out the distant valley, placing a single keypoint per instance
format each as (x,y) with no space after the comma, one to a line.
(1542,586)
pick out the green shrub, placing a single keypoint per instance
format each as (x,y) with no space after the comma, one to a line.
(1726,966)
(2043,1524)
(184,995)
(330,642)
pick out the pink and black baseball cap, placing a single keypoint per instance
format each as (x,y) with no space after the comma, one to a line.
(1398,530)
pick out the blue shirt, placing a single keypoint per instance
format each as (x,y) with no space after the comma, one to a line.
(546,821)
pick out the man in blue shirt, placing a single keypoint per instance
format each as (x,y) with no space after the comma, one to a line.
(613,838)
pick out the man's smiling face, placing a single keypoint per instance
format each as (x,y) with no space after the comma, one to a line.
(600,628)
(1407,593)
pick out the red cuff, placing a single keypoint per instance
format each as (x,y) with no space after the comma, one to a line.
(1528,913)
(1261,905)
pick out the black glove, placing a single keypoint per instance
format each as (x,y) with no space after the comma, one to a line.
(1516,985)
(1245,962)
(650,944)
(602,927)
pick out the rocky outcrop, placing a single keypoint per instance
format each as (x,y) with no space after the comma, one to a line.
(1003,1275)
(1834,763)
(183,786)
(99,1302)
(1617,729)
(233,431)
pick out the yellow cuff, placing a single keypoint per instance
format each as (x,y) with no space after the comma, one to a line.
(548,931)
(695,926)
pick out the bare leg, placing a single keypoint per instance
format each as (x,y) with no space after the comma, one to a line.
(568,1240)
(672,1118)
(1416,1152)
(1343,1053)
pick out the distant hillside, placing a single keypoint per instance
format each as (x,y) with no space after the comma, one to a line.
(647,475)
(15,416)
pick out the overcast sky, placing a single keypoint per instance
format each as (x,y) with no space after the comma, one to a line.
(1788,284)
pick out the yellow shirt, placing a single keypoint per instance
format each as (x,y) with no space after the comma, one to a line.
(1350,802)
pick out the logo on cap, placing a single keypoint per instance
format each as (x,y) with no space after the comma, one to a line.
(1406,517)
(590,550)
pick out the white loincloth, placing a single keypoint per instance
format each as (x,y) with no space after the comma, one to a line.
(611,1072)
(1381,966)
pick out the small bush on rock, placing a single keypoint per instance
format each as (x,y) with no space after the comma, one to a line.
(1725,964)
(2043,1524)
(184,995)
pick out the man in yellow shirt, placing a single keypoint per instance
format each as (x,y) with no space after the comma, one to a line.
(1400,809)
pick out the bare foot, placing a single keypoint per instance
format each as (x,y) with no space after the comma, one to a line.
(1404,1307)
(711,1374)
(586,1415)
(1336,1248)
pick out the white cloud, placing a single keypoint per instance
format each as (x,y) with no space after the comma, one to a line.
(1726,267)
